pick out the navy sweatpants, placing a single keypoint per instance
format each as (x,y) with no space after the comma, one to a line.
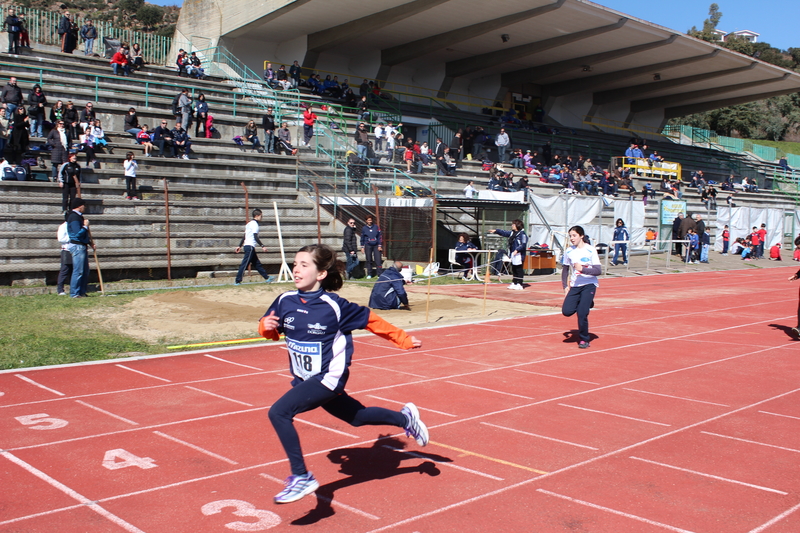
(250,257)
(580,300)
(310,394)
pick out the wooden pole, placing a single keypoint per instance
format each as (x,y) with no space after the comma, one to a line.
(96,264)
(433,251)
(378,224)
(166,229)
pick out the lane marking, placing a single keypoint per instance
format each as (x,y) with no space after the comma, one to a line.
(493,459)
(703,474)
(677,397)
(232,363)
(390,370)
(456,358)
(71,493)
(197,448)
(778,414)
(614,511)
(418,407)
(557,377)
(144,373)
(540,436)
(327,428)
(29,380)
(613,414)
(751,442)
(43,513)
(490,390)
(112,415)
(219,396)
(444,463)
(775,520)
(330,501)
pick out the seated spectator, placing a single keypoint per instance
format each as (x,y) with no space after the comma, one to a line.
(95,142)
(388,292)
(194,67)
(180,141)
(135,58)
(656,159)
(775,252)
(181,62)
(282,77)
(132,122)
(747,252)
(750,184)
(449,163)
(162,138)
(143,138)
(363,109)
(72,122)
(251,135)
(119,62)
(738,245)
(285,140)
(784,164)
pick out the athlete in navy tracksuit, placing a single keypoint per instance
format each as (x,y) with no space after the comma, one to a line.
(388,292)
(372,246)
(317,325)
(517,246)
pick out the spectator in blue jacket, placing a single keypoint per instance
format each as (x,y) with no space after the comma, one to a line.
(464,259)
(517,246)
(79,239)
(372,246)
(621,234)
(388,292)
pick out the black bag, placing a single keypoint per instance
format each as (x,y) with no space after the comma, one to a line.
(175,109)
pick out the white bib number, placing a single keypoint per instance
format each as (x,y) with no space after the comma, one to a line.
(306,358)
(266,519)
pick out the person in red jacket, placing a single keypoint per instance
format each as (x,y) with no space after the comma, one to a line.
(119,62)
(308,125)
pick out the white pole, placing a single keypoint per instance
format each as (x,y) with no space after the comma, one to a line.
(285,270)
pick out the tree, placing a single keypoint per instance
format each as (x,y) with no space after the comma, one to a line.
(149,15)
(132,6)
(709,25)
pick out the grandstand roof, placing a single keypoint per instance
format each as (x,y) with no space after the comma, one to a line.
(570,52)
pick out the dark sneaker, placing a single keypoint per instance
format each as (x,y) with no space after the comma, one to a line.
(297,487)
(583,344)
(796,332)
(414,426)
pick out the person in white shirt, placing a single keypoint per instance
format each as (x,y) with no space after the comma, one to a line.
(249,241)
(379,132)
(469,190)
(131,166)
(581,266)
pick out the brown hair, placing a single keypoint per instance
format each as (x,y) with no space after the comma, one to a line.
(325,259)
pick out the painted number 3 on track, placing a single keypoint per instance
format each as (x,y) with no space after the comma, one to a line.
(266,519)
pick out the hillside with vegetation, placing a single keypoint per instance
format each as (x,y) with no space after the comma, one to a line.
(135,15)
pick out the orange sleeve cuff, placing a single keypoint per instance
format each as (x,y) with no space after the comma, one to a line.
(269,334)
(382,328)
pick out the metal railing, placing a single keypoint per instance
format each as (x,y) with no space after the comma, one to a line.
(628,127)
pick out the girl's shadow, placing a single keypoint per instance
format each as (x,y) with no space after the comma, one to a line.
(572,336)
(380,461)
(786,329)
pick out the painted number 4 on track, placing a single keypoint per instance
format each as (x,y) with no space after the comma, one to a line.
(119,458)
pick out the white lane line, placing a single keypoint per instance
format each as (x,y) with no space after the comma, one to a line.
(197,448)
(71,493)
(43,513)
(614,511)
(539,436)
(337,503)
(392,370)
(778,414)
(750,441)
(144,373)
(778,518)
(112,415)
(327,428)
(232,363)
(557,377)
(219,396)
(613,414)
(490,390)
(677,397)
(462,361)
(718,478)
(29,380)
(443,463)
(418,407)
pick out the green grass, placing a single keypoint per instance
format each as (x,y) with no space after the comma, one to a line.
(49,330)
(785,147)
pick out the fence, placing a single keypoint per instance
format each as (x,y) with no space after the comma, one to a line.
(710,139)
(43,28)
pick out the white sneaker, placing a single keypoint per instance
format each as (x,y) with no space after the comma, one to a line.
(512,287)
(185,156)
(369,277)
(519,287)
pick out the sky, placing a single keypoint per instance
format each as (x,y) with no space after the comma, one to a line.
(165,2)
(775,20)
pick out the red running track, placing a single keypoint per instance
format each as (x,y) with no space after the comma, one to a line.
(684,415)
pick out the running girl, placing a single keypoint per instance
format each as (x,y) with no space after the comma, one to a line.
(579,279)
(317,325)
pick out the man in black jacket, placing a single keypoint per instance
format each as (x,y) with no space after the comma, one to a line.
(268,123)
(69,179)
(11,96)
(350,247)
(438,154)
(162,138)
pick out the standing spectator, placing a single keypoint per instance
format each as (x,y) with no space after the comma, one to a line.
(131,166)
(201,116)
(79,239)
(13,26)
(11,96)
(755,241)
(464,259)
(72,122)
(268,125)
(69,179)
(705,244)
(180,141)
(517,247)
(309,118)
(251,135)
(24,35)
(87,116)
(379,131)
(372,246)
(65,272)
(762,237)
(185,107)
(88,34)
(143,138)
(455,148)
(285,140)
(547,153)
(362,141)
(64,26)
(350,247)
(438,154)
(699,225)
(132,123)
(36,111)
(676,233)
(71,41)
(686,224)
(692,255)
(18,140)
(58,140)
(294,74)
(470,190)
(726,237)
(162,138)
(502,142)
(249,241)
(581,266)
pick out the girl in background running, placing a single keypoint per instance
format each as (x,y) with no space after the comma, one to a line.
(581,266)
(317,325)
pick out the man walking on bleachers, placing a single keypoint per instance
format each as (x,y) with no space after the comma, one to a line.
(502,141)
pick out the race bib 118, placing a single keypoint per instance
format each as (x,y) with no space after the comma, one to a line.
(306,358)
